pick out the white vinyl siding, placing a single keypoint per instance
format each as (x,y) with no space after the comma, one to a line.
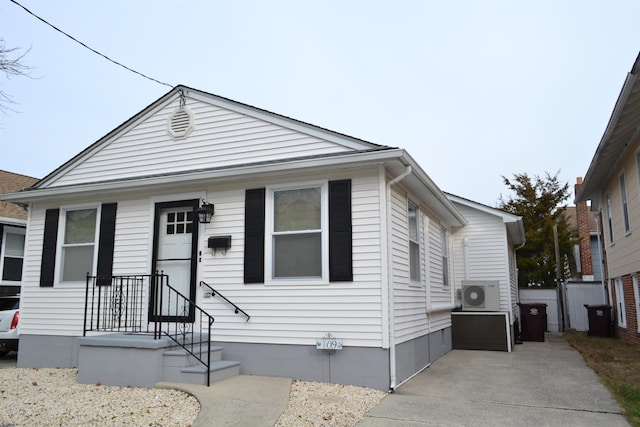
(221,138)
(623,256)
(298,313)
(487,255)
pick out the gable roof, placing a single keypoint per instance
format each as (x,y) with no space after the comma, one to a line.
(514,224)
(621,131)
(329,151)
(178,96)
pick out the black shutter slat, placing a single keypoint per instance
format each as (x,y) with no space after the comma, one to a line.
(340,235)
(106,242)
(254,236)
(49,245)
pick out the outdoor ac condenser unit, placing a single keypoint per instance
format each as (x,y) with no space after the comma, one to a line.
(480,295)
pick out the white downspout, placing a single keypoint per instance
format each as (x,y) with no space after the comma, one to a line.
(596,219)
(465,255)
(392,333)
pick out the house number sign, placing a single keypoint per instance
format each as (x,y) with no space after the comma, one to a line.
(329,342)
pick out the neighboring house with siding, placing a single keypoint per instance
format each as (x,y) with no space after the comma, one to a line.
(485,251)
(327,233)
(612,184)
(13,223)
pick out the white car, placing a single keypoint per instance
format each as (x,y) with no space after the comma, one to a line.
(9,316)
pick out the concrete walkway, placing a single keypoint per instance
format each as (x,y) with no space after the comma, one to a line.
(539,384)
(244,400)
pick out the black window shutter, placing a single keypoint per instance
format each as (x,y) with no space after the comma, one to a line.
(105,245)
(49,244)
(340,238)
(1,237)
(254,236)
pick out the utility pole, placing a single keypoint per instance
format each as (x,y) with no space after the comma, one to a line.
(558,280)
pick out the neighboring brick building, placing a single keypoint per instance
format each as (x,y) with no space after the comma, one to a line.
(612,184)
(13,221)
(588,253)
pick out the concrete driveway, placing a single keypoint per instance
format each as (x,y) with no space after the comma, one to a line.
(539,384)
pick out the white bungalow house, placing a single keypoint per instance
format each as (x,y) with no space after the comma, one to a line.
(327,257)
(485,250)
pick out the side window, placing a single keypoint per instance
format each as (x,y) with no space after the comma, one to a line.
(609,219)
(622,314)
(12,254)
(78,244)
(297,233)
(625,207)
(445,256)
(414,241)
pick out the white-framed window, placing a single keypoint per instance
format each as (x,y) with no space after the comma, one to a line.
(445,256)
(620,307)
(12,254)
(413,214)
(636,294)
(638,167)
(625,205)
(79,233)
(297,237)
(609,218)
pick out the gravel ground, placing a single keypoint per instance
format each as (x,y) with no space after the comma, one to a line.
(52,397)
(322,404)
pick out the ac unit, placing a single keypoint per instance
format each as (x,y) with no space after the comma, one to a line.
(480,295)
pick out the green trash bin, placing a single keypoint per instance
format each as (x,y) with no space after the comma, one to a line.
(600,324)
(533,319)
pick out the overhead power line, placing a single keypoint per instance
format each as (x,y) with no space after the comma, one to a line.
(87,47)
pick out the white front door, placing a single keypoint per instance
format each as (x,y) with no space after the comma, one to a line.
(176,236)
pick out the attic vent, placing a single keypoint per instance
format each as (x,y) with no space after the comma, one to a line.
(180,123)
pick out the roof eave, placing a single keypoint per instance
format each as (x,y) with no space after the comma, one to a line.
(247,171)
(601,167)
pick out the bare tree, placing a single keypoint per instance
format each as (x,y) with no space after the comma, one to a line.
(11,65)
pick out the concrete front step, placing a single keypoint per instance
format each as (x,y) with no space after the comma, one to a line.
(218,371)
(177,356)
(182,367)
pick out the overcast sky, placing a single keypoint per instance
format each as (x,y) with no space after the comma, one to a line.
(474,90)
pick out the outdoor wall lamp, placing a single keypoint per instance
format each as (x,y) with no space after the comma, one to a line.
(204,213)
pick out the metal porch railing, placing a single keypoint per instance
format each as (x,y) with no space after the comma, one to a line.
(148,304)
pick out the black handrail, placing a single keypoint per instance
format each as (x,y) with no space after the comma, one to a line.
(214,292)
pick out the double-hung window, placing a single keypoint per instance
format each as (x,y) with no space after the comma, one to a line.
(12,254)
(298,232)
(414,241)
(78,246)
(609,218)
(625,207)
(621,308)
(445,257)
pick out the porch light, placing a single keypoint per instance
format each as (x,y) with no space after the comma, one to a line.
(204,213)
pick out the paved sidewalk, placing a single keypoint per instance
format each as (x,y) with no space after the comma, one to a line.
(539,384)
